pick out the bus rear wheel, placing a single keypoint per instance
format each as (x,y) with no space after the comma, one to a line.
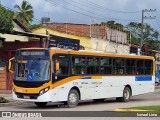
(126,95)
(156,84)
(41,104)
(73,98)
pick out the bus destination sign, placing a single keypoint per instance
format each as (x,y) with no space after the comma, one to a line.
(27,53)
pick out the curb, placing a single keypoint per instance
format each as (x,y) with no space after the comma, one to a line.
(136,110)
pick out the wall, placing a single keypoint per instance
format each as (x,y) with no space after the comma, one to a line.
(84,41)
(17,28)
(117,36)
(117,45)
(109,47)
(3,78)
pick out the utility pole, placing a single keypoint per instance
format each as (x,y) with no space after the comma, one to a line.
(92,22)
(142,27)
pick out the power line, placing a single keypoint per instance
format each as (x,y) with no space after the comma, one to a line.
(155,25)
(88,4)
(88,11)
(105,8)
(158,20)
(77,3)
(90,16)
(100,18)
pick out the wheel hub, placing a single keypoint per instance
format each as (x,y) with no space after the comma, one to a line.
(72,98)
(126,95)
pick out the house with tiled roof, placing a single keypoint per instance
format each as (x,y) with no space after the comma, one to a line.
(9,43)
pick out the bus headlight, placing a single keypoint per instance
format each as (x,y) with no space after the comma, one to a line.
(43,91)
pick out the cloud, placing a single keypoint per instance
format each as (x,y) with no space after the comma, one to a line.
(66,10)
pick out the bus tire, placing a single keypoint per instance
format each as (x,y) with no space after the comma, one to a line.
(73,98)
(126,95)
(41,104)
(156,83)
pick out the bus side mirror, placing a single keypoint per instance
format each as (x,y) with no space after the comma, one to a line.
(11,65)
(57,65)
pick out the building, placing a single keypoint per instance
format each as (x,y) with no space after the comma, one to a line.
(92,37)
(9,43)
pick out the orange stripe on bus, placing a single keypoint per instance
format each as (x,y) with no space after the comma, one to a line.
(61,82)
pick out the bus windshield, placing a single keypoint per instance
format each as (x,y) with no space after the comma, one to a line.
(32,70)
(32,65)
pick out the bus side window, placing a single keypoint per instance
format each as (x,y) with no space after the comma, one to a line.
(78,65)
(140,67)
(73,70)
(130,66)
(63,67)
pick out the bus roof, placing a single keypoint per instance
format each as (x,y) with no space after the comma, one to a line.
(91,53)
(95,53)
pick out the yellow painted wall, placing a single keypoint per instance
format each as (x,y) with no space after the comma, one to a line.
(84,41)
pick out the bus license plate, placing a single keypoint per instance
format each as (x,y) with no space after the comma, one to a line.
(26,97)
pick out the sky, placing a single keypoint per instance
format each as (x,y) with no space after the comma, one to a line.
(92,11)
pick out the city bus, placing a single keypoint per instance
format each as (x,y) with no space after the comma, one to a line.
(43,75)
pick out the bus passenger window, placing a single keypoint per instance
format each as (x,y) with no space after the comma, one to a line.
(140,67)
(58,72)
(93,65)
(78,65)
(73,70)
(63,67)
(82,70)
(106,66)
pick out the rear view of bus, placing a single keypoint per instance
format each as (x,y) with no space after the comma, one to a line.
(32,75)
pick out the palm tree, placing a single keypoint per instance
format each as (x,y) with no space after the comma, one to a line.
(25,12)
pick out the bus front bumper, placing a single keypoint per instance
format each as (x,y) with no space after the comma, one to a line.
(46,97)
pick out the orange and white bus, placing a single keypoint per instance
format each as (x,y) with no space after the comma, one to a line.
(54,75)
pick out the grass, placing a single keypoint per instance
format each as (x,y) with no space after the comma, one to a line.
(152,108)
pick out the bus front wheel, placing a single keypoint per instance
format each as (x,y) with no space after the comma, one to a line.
(126,95)
(73,98)
(41,104)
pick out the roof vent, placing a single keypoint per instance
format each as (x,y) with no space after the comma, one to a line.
(45,20)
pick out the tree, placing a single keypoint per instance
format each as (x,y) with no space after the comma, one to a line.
(25,12)
(113,24)
(6,24)
(150,35)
